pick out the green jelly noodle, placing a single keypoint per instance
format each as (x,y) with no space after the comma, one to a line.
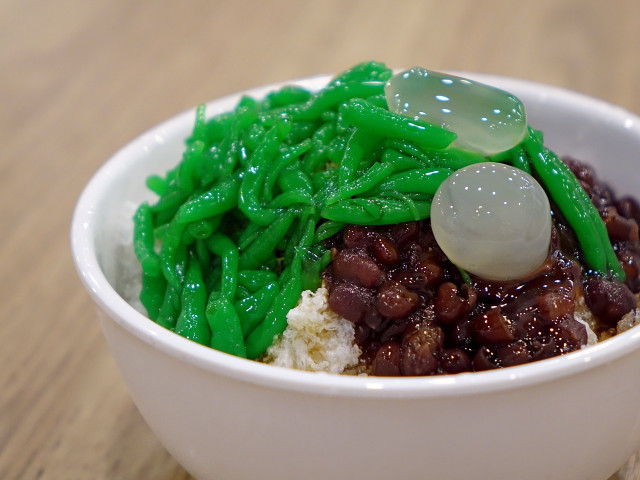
(236,233)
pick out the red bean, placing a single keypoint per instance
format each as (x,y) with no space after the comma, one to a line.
(484,359)
(492,328)
(619,228)
(414,281)
(553,306)
(609,301)
(569,334)
(586,187)
(455,360)
(630,261)
(411,255)
(582,172)
(372,318)
(395,301)
(358,267)
(629,208)
(432,271)
(404,233)
(515,353)
(531,325)
(387,360)
(357,236)
(350,301)
(451,306)
(391,329)
(385,251)
(419,349)
(601,196)
(543,347)
(462,333)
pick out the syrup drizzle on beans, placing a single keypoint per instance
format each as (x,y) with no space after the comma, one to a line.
(415,315)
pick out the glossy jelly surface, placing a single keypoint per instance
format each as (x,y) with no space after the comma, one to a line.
(492,220)
(487,120)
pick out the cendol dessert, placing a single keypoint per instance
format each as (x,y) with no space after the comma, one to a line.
(388,224)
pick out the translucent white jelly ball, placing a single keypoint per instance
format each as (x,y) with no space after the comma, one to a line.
(492,220)
(487,120)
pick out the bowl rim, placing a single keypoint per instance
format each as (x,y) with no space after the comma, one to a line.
(118,310)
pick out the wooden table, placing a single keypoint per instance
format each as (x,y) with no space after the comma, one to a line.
(79,79)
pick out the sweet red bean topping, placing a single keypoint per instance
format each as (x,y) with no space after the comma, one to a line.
(415,315)
(414,281)
(609,301)
(404,233)
(358,267)
(394,300)
(385,251)
(462,334)
(630,260)
(492,328)
(601,196)
(582,172)
(393,329)
(484,359)
(455,360)
(619,228)
(515,353)
(420,347)
(351,301)
(451,305)
(543,347)
(432,271)
(569,335)
(629,208)
(554,306)
(387,360)
(357,236)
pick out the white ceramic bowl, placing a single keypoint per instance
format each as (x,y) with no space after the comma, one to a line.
(222,417)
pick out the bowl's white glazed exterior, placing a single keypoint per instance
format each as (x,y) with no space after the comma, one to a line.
(222,417)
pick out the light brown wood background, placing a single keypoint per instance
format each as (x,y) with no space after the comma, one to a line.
(78,79)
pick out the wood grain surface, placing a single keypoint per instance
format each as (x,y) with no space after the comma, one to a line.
(78,79)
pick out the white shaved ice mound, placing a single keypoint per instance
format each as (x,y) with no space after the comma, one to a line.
(316,339)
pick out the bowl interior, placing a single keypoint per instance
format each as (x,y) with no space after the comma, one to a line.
(602,135)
